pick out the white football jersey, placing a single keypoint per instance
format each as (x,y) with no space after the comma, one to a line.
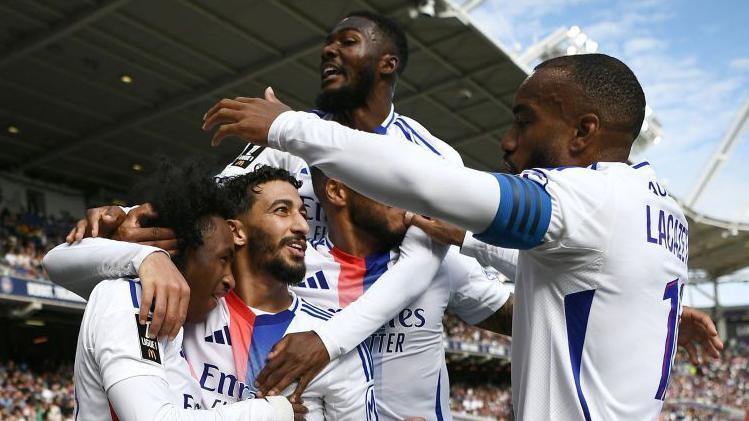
(228,351)
(597,304)
(600,273)
(106,356)
(409,357)
(397,125)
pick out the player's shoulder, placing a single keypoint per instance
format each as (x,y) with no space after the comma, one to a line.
(311,314)
(113,295)
(417,133)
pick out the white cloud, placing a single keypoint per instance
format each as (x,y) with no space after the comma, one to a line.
(740,64)
(695,100)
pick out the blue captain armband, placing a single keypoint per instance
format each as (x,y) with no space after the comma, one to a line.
(523,216)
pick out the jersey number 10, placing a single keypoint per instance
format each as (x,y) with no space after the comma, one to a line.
(672,293)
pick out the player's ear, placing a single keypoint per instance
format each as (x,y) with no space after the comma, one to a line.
(238,231)
(389,64)
(336,192)
(587,128)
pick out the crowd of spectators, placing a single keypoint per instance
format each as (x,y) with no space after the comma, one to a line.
(29,395)
(457,329)
(25,238)
(717,391)
(489,401)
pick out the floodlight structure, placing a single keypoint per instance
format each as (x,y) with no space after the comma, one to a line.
(570,41)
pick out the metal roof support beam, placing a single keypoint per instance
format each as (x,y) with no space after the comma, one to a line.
(721,154)
(176,103)
(61,29)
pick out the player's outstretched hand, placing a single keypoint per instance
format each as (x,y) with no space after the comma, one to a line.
(698,330)
(439,230)
(297,357)
(246,118)
(101,221)
(132,230)
(161,280)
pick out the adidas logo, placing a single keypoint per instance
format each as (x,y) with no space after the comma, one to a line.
(317,281)
(220,337)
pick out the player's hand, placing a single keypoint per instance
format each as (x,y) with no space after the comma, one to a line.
(246,118)
(162,281)
(296,357)
(132,230)
(697,331)
(439,230)
(299,411)
(101,221)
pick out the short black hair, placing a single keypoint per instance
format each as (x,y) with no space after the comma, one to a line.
(185,196)
(319,178)
(392,30)
(609,85)
(242,190)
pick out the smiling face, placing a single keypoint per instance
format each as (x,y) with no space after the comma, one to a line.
(348,64)
(207,269)
(277,231)
(543,123)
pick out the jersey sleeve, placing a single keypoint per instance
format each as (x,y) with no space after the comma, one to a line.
(349,389)
(147,398)
(502,259)
(253,155)
(114,338)
(418,263)
(405,177)
(474,295)
(80,266)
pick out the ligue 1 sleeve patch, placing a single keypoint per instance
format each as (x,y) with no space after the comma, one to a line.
(149,348)
(248,155)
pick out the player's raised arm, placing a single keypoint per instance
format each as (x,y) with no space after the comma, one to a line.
(80,266)
(397,174)
(294,356)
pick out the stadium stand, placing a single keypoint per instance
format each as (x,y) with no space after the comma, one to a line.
(44,394)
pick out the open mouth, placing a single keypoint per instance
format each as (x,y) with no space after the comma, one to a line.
(297,247)
(329,71)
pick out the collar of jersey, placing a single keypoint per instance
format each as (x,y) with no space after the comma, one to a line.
(383,127)
(600,165)
(241,309)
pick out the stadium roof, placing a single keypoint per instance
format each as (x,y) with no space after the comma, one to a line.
(95,90)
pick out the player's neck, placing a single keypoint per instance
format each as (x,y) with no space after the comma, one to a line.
(259,289)
(373,113)
(351,240)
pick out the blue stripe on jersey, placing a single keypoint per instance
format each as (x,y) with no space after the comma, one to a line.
(419,136)
(364,364)
(133,294)
(376,265)
(523,215)
(576,312)
(316,312)
(438,401)
(641,164)
(321,279)
(403,129)
(315,315)
(267,331)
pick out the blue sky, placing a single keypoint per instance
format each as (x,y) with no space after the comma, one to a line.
(692,58)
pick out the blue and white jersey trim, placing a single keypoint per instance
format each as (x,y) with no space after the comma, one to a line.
(523,215)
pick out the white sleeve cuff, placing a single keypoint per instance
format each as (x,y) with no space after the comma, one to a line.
(276,139)
(471,245)
(334,349)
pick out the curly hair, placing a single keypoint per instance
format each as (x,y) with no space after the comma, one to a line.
(242,190)
(185,196)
